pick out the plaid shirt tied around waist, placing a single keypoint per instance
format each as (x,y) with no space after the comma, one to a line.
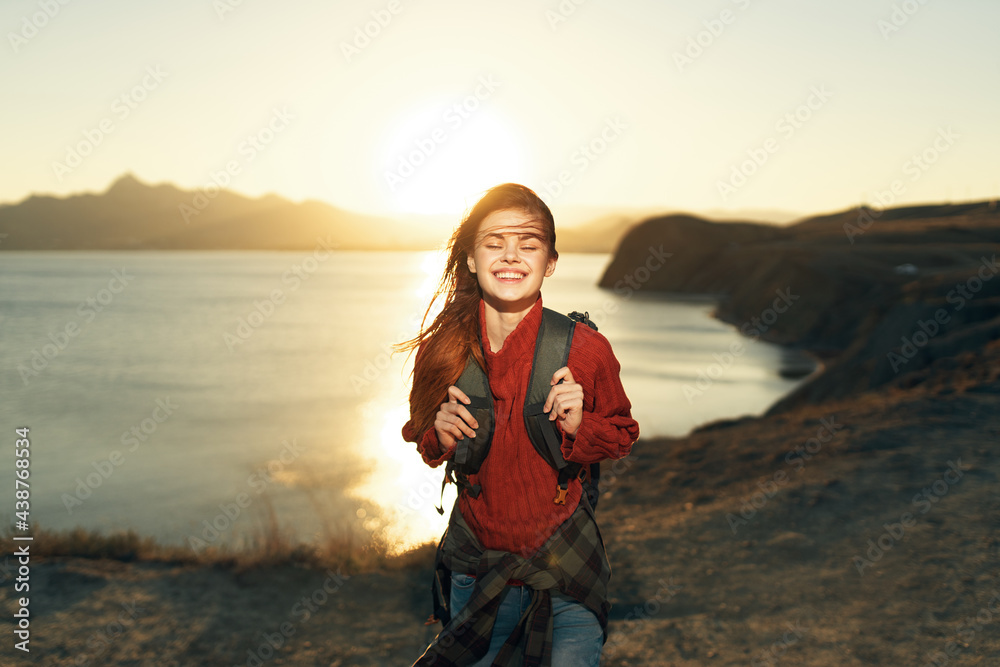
(572,561)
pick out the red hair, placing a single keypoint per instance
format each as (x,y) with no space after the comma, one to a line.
(443,348)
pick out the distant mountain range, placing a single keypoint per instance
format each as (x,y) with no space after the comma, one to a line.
(132,215)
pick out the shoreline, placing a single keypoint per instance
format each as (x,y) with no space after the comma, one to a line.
(854,523)
(176,537)
(125,544)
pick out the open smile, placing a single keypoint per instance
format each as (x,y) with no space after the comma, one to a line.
(508,276)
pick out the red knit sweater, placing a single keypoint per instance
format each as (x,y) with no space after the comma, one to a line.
(515,511)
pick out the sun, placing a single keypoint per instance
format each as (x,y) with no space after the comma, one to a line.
(439,159)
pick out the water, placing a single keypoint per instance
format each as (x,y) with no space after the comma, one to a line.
(189,395)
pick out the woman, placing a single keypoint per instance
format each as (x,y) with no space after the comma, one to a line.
(528,573)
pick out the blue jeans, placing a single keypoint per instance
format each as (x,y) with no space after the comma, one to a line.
(577,638)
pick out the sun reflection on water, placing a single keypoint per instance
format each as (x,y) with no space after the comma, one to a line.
(405,489)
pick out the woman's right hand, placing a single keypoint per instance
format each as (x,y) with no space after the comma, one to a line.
(454,421)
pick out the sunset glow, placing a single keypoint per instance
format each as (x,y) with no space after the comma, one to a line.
(714,108)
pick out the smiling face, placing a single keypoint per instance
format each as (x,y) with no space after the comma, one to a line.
(510,259)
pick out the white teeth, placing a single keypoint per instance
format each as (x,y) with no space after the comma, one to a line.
(511,276)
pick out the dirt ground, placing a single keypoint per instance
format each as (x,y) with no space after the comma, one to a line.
(861,532)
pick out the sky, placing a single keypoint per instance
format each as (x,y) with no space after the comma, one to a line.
(417,106)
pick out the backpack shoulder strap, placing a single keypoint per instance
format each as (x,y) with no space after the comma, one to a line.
(471,452)
(474,383)
(592,474)
(555,337)
(584,317)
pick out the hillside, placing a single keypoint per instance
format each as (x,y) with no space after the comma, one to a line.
(864,287)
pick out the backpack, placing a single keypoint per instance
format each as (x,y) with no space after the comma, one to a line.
(555,337)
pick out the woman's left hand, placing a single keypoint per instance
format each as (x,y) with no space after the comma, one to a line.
(565,401)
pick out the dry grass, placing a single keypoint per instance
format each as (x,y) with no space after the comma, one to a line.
(267,546)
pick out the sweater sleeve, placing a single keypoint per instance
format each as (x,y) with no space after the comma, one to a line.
(607,429)
(427,445)
(427,442)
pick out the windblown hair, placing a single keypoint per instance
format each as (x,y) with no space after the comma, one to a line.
(443,348)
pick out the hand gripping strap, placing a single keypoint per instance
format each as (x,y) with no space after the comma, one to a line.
(471,452)
(555,337)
